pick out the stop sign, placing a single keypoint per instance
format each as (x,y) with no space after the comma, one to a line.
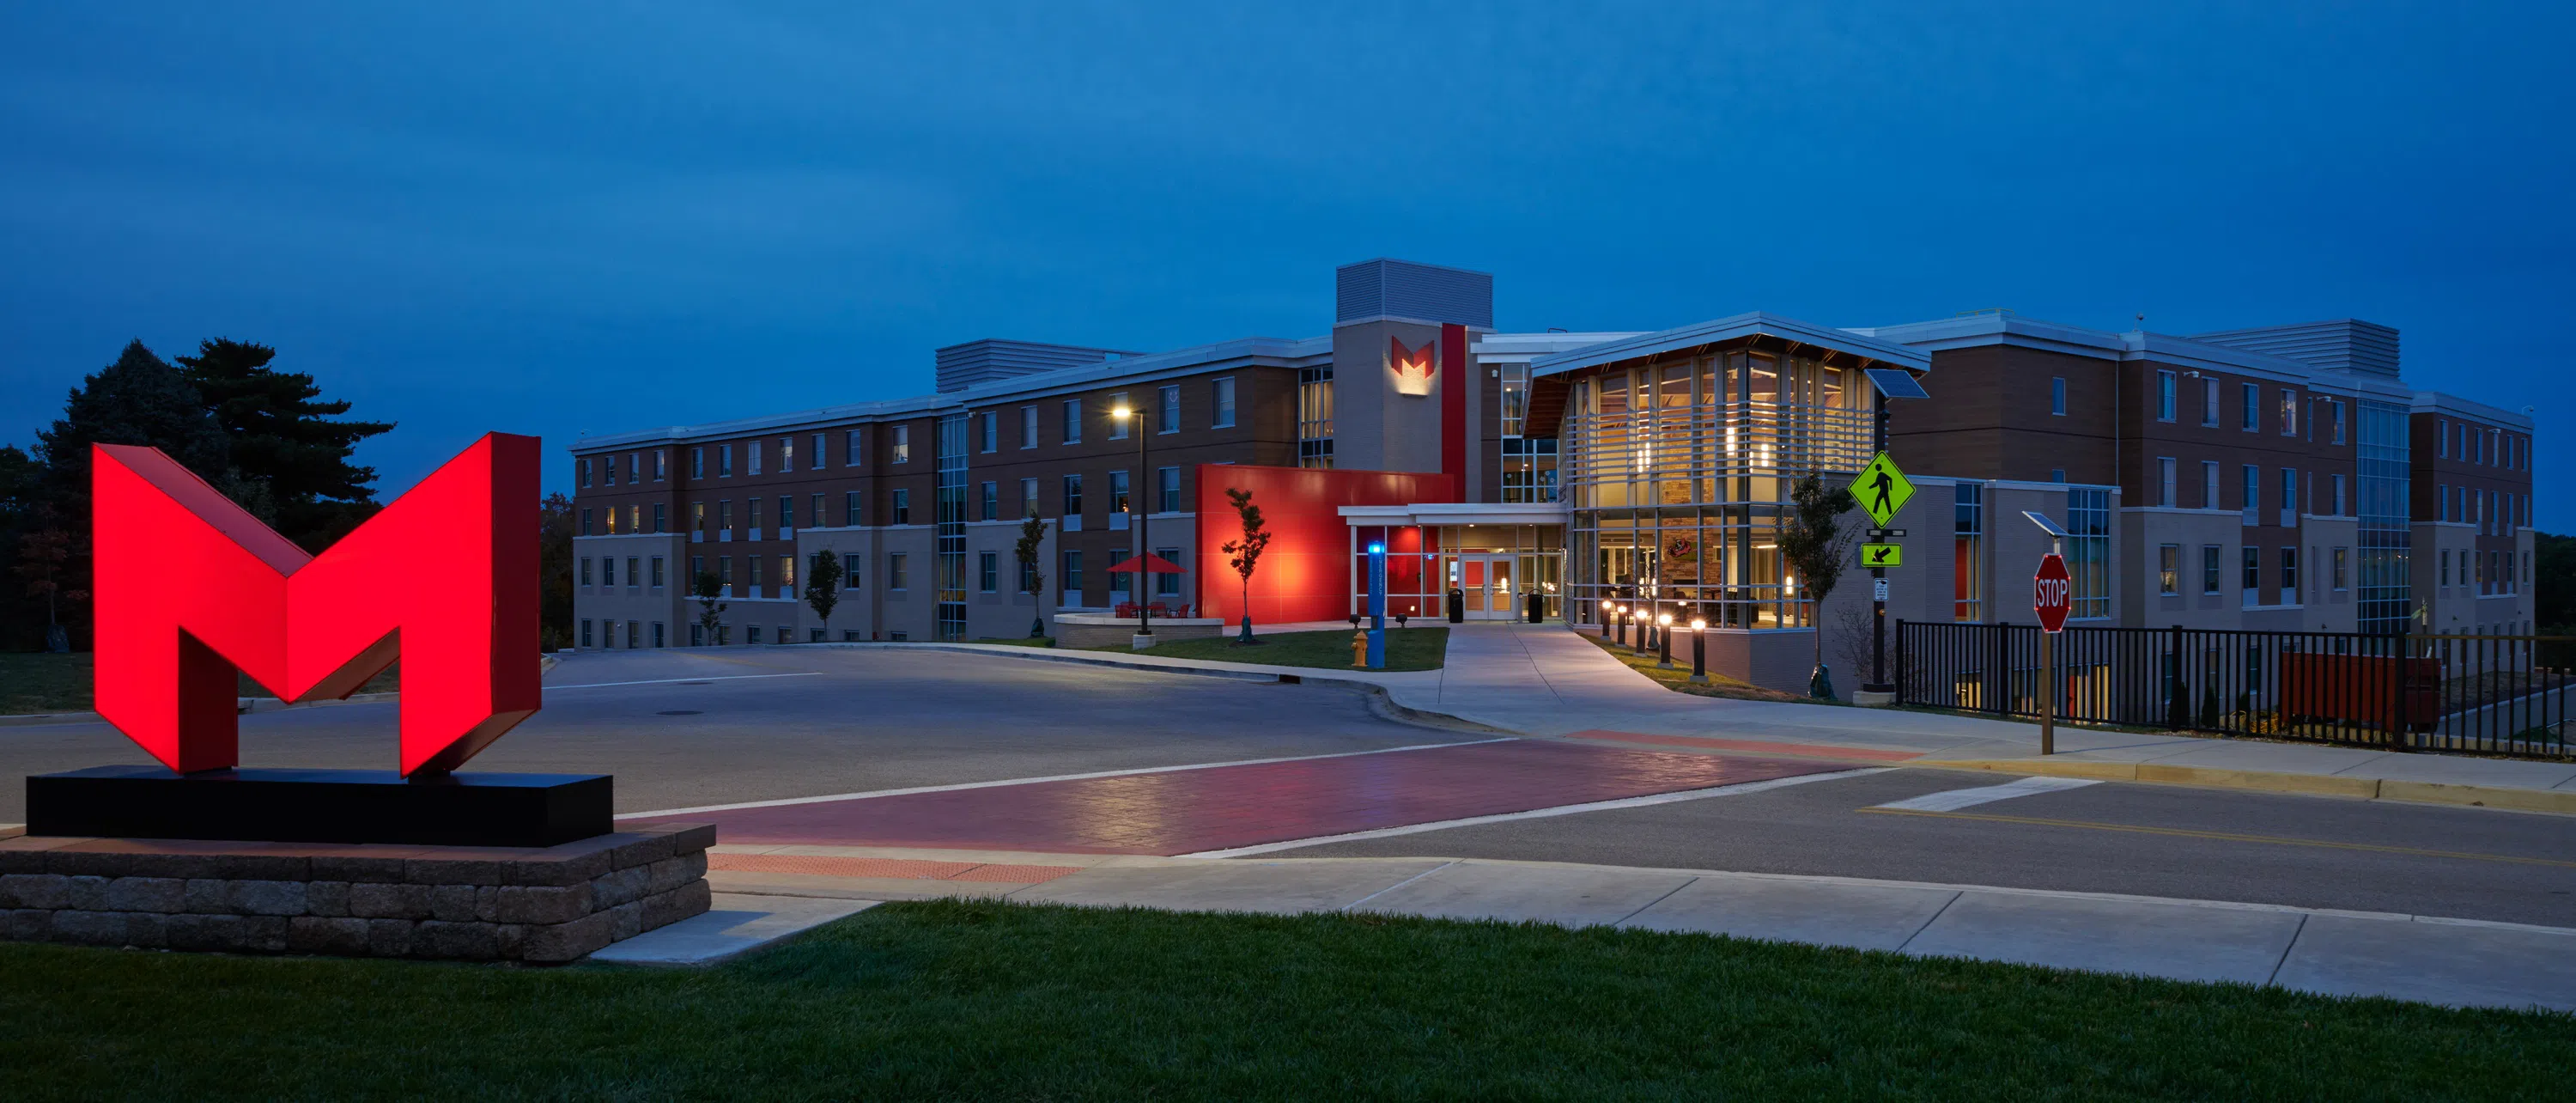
(2049,592)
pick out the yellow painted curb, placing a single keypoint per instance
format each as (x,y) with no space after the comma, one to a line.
(2422,792)
(2483,796)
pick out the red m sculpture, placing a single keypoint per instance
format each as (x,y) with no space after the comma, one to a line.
(190,588)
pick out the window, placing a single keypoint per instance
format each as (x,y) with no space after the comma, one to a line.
(902,510)
(698,462)
(2446,566)
(1167,489)
(2209,572)
(724,461)
(2209,485)
(2252,418)
(2339,561)
(656,577)
(752,563)
(850,508)
(2169,568)
(661,468)
(2057,474)
(585,521)
(1224,396)
(1169,406)
(2088,553)
(1028,497)
(988,572)
(786,517)
(2442,502)
(902,444)
(2252,567)
(2289,412)
(751,633)
(894,571)
(582,467)
(585,633)
(786,454)
(2209,402)
(850,449)
(697,521)
(1028,426)
(1967,569)
(2289,497)
(816,462)
(2289,576)
(2336,481)
(1073,496)
(634,575)
(1069,579)
(988,431)
(850,562)
(992,501)
(661,521)
(814,511)
(607,571)
(751,516)
(2057,395)
(2334,409)
(634,467)
(2164,396)
(2165,470)
(2253,490)
(585,570)
(1073,421)
(1118,424)
(659,639)
(1118,492)
(697,566)
(2442,438)
(786,575)
(753,447)
(724,573)
(1168,585)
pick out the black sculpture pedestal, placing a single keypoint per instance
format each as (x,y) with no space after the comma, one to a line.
(320,806)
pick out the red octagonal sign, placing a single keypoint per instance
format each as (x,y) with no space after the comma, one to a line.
(2049,592)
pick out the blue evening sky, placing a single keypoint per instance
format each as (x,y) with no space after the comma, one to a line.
(556,218)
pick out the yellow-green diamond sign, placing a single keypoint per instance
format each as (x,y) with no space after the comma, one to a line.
(1882,555)
(1881,488)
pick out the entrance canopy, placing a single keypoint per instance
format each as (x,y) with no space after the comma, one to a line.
(1153,564)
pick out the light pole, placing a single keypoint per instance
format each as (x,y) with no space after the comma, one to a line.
(1144,547)
(1606,606)
(1664,641)
(1699,651)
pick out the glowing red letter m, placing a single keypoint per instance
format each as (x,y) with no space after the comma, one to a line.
(191,588)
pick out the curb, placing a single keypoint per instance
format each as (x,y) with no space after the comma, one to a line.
(2333,785)
(1385,701)
(244,706)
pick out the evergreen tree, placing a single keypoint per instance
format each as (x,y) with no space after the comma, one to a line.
(283,441)
(554,572)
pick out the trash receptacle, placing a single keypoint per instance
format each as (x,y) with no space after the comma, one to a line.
(1536,605)
(1457,605)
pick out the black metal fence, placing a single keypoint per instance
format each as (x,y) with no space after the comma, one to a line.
(2495,694)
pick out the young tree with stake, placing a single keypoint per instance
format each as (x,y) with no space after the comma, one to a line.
(1032,537)
(823,587)
(1813,543)
(1245,553)
(707,588)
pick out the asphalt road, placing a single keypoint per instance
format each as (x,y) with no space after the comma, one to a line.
(762,724)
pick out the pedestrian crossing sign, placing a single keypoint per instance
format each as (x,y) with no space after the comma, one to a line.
(1882,555)
(1882,489)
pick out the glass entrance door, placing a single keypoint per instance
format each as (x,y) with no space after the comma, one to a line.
(1485,584)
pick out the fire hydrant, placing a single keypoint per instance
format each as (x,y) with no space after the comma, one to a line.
(1359,650)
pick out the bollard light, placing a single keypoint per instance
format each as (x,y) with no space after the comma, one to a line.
(1664,641)
(1699,651)
(1605,618)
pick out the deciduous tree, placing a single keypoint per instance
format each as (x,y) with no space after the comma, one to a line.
(1032,583)
(823,587)
(1814,544)
(1244,552)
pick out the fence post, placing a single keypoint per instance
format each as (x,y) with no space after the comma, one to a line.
(1999,672)
(1900,661)
(2175,703)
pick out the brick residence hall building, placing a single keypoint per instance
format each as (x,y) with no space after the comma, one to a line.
(2281,477)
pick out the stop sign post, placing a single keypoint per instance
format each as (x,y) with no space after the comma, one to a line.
(2051,588)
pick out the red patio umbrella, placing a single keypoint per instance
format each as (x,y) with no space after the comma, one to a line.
(1152,564)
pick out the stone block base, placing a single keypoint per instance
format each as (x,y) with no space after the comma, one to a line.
(532,904)
(1873,700)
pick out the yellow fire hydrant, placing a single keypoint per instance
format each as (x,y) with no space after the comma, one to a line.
(1359,650)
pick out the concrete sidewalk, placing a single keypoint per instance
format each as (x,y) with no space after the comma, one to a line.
(2442,961)
(1543,680)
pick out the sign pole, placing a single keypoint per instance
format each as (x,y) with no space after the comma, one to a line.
(2047,694)
(1878,574)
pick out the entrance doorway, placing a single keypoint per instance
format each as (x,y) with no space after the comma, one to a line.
(1487,584)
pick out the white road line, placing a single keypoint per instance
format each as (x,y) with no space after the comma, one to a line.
(1057,777)
(704,678)
(1956,799)
(1541,813)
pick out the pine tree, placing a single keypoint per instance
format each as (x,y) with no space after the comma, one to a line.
(284,442)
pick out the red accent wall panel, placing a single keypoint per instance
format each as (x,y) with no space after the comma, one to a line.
(1456,375)
(1306,573)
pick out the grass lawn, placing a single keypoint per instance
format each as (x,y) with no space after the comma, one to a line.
(43,682)
(1023,641)
(1678,678)
(983,1000)
(1406,649)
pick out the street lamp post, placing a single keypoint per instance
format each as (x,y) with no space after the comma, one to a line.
(1144,546)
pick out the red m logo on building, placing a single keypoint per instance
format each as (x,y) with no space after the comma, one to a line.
(1412,367)
(191,588)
